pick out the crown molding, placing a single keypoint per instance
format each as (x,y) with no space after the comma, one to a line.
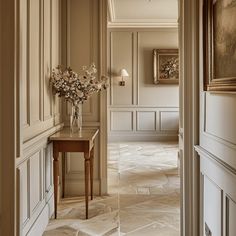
(142,25)
(135,23)
(111,10)
(125,23)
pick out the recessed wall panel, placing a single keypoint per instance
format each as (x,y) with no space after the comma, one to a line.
(169,120)
(212,207)
(55,31)
(81,38)
(121,58)
(231,216)
(39,45)
(84,48)
(216,120)
(48,167)
(24,190)
(75,163)
(149,93)
(23,62)
(35,180)
(55,50)
(121,121)
(34,60)
(146,120)
(47,61)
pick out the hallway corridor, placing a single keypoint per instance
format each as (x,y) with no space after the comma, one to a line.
(144,191)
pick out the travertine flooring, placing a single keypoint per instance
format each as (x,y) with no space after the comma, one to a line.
(143,196)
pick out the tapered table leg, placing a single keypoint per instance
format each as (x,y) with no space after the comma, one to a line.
(55,177)
(63,173)
(86,168)
(91,172)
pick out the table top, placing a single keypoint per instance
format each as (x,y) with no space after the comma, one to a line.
(65,134)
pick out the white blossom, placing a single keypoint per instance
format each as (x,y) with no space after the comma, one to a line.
(77,88)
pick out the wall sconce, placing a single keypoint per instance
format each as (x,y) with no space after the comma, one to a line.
(123,73)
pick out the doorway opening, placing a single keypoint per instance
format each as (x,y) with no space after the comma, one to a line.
(143,116)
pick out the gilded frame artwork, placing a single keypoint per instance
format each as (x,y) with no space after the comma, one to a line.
(219,45)
(166,66)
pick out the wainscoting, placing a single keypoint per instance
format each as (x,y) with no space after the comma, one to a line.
(218,195)
(143,123)
(140,110)
(36,187)
(40,111)
(48,33)
(217,153)
(84,49)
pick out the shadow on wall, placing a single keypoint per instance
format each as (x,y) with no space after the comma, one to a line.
(146,55)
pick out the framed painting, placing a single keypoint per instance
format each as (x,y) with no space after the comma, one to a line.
(166,66)
(219,45)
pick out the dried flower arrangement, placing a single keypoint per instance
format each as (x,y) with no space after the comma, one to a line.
(77,88)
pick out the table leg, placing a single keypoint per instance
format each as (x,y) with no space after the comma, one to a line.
(63,173)
(91,172)
(86,167)
(55,177)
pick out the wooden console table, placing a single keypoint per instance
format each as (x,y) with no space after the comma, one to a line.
(64,141)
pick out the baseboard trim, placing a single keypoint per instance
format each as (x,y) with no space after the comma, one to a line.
(142,138)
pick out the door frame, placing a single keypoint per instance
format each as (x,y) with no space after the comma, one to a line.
(9,115)
(189,35)
(189,19)
(103,95)
(189,116)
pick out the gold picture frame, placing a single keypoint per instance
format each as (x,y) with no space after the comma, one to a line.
(166,66)
(219,45)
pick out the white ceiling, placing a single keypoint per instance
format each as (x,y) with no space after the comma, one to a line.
(143,12)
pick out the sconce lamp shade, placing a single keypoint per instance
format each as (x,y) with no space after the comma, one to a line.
(123,73)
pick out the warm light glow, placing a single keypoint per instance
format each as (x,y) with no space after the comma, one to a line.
(124,73)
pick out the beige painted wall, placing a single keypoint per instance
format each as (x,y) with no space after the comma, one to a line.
(34,114)
(8,132)
(40,112)
(140,110)
(218,164)
(84,29)
(217,158)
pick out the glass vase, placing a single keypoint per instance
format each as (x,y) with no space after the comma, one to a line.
(76,118)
